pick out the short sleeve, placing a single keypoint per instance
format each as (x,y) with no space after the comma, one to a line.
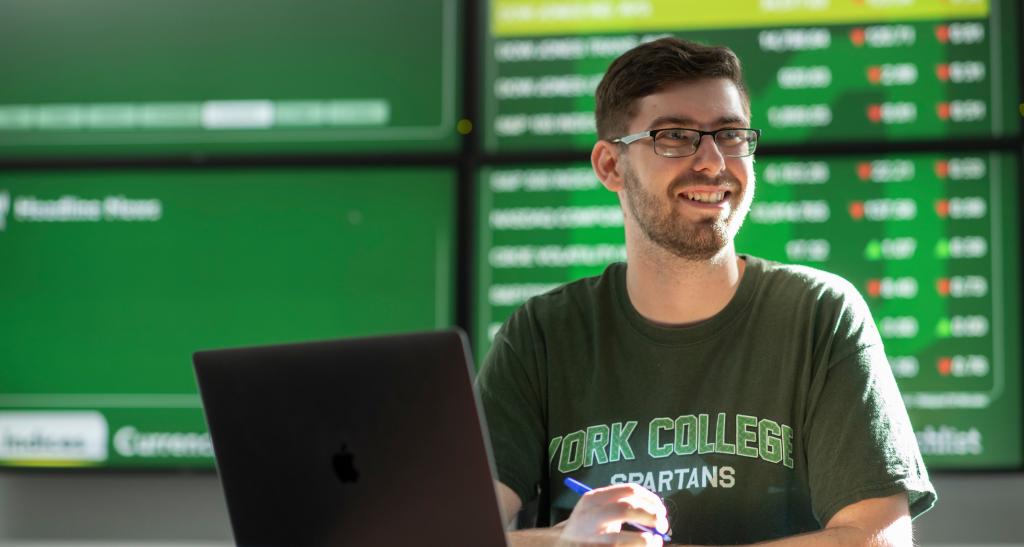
(512,395)
(859,440)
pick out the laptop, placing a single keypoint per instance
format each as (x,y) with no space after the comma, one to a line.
(371,441)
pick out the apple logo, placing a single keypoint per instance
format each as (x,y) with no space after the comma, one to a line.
(344,466)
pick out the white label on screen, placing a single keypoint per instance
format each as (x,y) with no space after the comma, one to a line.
(53,436)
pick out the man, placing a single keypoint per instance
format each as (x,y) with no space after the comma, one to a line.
(730,399)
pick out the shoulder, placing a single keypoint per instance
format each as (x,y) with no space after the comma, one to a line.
(829,301)
(565,313)
(582,297)
(560,319)
(791,280)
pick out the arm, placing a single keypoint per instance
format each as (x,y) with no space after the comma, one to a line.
(596,519)
(510,505)
(875,522)
(879,522)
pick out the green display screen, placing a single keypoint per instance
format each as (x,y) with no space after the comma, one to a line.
(186,77)
(930,240)
(818,71)
(114,278)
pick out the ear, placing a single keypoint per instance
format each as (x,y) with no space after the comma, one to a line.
(608,164)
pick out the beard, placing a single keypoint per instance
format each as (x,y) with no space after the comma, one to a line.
(698,240)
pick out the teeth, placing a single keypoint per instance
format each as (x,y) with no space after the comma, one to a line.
(705,197)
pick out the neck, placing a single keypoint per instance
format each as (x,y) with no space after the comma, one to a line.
(672,291)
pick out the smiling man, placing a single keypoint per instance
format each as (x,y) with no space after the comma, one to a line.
(720,397)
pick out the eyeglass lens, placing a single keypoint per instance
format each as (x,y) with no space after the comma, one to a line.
(684,142)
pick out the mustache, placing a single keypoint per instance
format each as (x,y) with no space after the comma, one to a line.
(723,181)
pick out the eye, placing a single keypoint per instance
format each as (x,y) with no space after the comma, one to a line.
(677,136)
(732,136)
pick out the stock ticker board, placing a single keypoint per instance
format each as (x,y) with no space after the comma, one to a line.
(930,240)
(122,274)
(817,70)
(122,77)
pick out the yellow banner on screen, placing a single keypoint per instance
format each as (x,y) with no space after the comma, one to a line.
(562,17)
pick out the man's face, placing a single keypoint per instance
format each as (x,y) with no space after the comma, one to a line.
(691,206)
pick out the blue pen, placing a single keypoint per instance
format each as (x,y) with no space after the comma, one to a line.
(580,488)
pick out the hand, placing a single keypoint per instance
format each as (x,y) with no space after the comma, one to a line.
(598,517)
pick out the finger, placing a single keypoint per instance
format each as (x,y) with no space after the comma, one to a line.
(654,506)
(645,500)
(619,512)
(650,497)
(658,528)
(643,496)
(652,540)
(630,539)
(628,509)
(662,525)
(653,517)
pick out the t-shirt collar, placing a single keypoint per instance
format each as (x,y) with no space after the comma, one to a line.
(697,332)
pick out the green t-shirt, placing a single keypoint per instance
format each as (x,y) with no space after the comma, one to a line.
(760,422)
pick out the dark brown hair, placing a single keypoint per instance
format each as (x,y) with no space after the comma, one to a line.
(650,68)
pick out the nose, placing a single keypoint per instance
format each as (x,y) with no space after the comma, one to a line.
(708,157)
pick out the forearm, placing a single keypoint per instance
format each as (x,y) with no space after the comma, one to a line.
(534,537)
(846,536)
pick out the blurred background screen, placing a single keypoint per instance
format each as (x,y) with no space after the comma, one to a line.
(817,70)
(143,77)
(120,275)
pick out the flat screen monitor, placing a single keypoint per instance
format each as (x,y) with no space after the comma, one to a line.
(113,278)
(817,71)
(196,78)
(931,241)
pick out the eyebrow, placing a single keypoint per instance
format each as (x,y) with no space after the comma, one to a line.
(689,122)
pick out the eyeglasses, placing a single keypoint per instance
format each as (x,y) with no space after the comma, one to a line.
(679,142)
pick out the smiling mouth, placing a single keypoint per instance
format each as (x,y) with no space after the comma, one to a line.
(706,197)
